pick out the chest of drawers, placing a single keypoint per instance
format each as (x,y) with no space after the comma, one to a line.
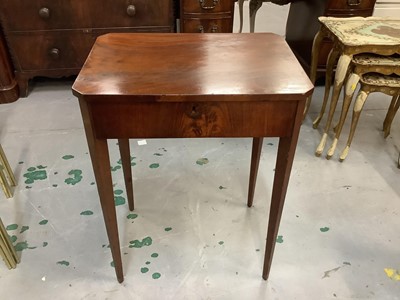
(206,16)
(52,38)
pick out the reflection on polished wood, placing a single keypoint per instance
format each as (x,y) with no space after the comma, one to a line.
(191,85)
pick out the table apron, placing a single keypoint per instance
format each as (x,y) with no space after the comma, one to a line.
(189,120)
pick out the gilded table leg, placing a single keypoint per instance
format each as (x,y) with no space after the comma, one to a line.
(126,166)
(393,108)
(9,172)
(284,161)
(351,85)
(4,183)
(7,251)
(332,59)
(254,7)
(341,71)
(255,160)
(7,178)
(314,61)
(358,106)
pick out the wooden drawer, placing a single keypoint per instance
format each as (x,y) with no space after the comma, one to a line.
(350,4)
(64,14)
(194,25)
(207,6)
(186,119)
(65,49)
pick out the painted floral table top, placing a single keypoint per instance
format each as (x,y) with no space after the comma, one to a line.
(364,31)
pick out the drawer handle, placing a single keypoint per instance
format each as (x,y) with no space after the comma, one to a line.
(54,53)
(214,29)
(131,10)
(353,2)
(201,29)
(203,5)
(44,13)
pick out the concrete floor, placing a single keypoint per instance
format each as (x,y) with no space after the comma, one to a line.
(339,235)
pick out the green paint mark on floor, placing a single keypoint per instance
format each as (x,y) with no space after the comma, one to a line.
(324,229)
(168,228)
(158,154)
(24,228)
(86,213)
(20,162)
(119,200)
(154,255)
(133,164)
(120,160)
(28,187)
(270,144)
(92,183)
(144,270)
(202,161)
(258,250)
(12,227)
(156,275)
(132,216)
(279,239)
(22,246)
(147,241)
(68,156)
(221,242)
(33,174)
(112,264)
(221,187)
(55,185)
(154,166)
(147,262)
(113,169)
(118,192)
(45,244)
(43,222)
(76,177)
(63,263)
(13,238)
(347,263)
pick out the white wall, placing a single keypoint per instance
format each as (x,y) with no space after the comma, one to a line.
(269,18)
(387,8)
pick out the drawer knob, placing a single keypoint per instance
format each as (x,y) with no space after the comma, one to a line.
(353,2)
(214,28)
(44,13)
(201,29)
(203,5)
(54,53)
(131,10)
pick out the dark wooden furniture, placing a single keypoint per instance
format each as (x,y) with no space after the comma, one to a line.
(302,25)
(206,16)
(8,84)
(52,38)
(188,85)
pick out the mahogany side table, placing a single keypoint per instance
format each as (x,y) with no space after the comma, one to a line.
(191,86)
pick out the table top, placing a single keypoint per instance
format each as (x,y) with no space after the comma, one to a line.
(182,67)
(358,31)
